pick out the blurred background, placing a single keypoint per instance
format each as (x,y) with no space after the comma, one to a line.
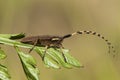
(60,17)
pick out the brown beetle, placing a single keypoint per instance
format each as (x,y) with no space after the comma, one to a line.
(56,41)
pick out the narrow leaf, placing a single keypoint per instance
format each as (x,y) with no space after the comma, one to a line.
(17,36)
(49,62)
(13,36)
(71,60)
(55,57)
(29,65)
(4,75)
(2,54)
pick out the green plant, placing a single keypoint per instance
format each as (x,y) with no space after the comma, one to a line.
(53,59)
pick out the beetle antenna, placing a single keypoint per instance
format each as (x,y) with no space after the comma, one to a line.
(110,46)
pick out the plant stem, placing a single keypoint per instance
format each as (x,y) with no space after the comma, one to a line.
(13,42)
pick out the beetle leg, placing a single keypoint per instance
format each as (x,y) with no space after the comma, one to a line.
(46,47)
(36,41)
(61,47)
(63,54)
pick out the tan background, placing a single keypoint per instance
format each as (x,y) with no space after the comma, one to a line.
(59,17)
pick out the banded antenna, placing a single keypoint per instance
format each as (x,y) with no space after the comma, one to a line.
(110,46)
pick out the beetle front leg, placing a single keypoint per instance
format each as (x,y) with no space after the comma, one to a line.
(46,47)
(63,54)
(61,47)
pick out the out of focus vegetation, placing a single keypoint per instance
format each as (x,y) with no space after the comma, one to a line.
(59,17)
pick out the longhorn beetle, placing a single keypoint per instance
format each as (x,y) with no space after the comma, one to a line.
(48,41)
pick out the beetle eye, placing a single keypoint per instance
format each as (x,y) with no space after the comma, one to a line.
(54,39)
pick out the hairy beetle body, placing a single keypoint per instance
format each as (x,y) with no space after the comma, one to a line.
(44,40)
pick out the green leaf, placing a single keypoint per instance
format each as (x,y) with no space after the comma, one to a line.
(57,55)
(51,59)
(4,75)
(54,58)
(13,36)
(29,65)
(17,36)
(49,62)
(71,60)
(2,54)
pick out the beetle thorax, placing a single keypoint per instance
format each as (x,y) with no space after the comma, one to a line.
(51,42)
